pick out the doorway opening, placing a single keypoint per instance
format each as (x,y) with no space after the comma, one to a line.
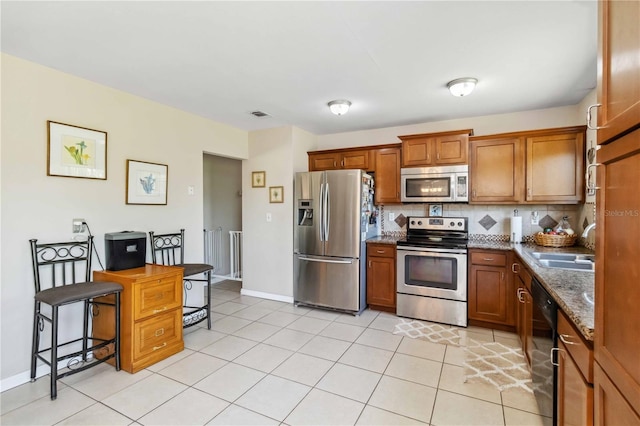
(222,200)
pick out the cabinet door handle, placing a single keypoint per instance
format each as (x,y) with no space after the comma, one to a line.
(155,348)
(164,308)
(589,126)
(437,155)
(520,298)
(342,163)
(369,264)
(501,276)
(334,163)
(474,193)
(586,177)
(564,338)
(159,332)
(513,268)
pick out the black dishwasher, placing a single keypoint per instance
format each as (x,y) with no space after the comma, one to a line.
(543,365)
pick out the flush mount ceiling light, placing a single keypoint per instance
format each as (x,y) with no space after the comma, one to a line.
(462,86)
(339,107)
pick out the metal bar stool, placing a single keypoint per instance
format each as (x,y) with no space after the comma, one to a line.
(60,280)
(168,249)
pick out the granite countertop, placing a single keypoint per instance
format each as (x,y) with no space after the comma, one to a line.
(385,239)
(573,290)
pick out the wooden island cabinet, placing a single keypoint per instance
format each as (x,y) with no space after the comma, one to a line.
(150,314)
(524,309)
(381,277)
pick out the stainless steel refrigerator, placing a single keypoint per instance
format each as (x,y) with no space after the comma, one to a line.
(334,216)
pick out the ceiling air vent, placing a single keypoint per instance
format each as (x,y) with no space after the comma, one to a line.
(259,114)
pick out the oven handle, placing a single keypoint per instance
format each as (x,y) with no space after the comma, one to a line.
(430,249)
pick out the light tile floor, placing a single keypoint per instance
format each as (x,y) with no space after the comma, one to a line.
(271,363)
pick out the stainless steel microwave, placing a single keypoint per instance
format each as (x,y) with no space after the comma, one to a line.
(445,184)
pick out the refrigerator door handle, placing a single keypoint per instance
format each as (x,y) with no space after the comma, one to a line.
(313,259)
(321,227)
(327,212)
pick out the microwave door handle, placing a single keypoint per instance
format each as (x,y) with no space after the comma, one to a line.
(327,207)
(453,180)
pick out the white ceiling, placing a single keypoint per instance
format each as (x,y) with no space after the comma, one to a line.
(392,60)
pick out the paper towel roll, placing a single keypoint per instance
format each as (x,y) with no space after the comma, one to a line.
(516,229)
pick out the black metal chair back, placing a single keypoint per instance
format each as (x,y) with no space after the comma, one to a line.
(167,249)
(63,263)
(62,275)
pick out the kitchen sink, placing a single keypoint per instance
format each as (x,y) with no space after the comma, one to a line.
(571,261)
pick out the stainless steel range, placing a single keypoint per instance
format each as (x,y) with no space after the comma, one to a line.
(432,270)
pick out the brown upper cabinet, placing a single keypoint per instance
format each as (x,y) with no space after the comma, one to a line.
(435,149)
(340,159)
(382,160)
(387,179)
(619,68)
(541,166)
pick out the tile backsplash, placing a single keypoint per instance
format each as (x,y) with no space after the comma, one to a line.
(493,220)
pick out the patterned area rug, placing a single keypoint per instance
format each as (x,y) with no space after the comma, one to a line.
(485,362)
(494,363)
(436,333)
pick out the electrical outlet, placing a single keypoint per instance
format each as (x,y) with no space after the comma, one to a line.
(191,190)
(535,218)
(77,226)
(268,217)
(392,216)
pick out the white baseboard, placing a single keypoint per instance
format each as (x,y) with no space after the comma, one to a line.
(269,296)
(22,378)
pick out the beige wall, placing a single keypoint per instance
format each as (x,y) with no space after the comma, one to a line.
(268,246)
(35,205)
(484,125)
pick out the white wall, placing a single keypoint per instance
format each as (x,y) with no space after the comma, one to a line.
(35,205)
(484,125)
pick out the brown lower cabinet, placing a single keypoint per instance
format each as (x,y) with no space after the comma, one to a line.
(611,407)
(524,309)
(381,277)
(575,376)
(491,303)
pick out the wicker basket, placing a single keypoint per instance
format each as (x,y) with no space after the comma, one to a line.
(550,240)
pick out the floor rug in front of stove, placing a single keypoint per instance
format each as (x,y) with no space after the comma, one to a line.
(436,333)
(494,363)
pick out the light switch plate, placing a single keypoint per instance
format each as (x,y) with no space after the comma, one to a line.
(268,217)
(535,218)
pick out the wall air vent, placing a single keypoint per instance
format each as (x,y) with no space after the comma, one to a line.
(260,114)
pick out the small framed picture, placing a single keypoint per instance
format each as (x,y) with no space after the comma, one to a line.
(276,194)
(146,183)
(74,151)
(258,179)
(435,210)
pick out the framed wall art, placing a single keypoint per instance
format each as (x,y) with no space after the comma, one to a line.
(276,194)
(258,179)
(146,183)
(77,152)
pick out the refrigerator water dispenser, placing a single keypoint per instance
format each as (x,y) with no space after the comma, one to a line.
(305,213)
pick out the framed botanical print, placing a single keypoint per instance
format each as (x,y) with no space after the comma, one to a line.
(146,183)
(258,179)
(276,194)
(77,152)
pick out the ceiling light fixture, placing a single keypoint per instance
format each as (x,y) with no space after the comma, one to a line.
(339,107)
(462,86)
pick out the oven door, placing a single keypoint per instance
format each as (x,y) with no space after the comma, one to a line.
(440,273)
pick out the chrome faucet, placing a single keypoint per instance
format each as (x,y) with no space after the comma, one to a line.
(587,229)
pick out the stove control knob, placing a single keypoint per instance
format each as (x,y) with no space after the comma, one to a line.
(460,224)
(413,222)
(453,224)
(419,222)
